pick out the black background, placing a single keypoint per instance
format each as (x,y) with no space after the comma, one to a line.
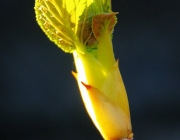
(39,98)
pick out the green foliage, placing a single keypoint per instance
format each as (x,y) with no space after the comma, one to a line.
(69,22)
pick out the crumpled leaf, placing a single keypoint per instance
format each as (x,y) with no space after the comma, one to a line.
(54,20)
(68,22)
(103,22)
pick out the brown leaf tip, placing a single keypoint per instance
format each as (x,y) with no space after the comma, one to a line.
(101,22)
(86,86)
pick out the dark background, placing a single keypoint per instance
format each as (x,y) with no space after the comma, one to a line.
(39,98)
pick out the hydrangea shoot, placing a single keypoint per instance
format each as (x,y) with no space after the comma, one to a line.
(84,28)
